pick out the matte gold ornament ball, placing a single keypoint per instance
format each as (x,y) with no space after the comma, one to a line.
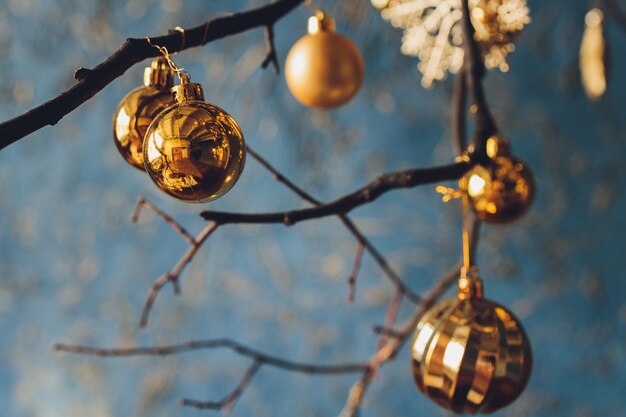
(324,69)
(501,190)
(139,108)
(470,355)
(194,151)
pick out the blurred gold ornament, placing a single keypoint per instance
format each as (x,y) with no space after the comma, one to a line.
(137,110)
(194,151)
(502,189)
(433,31)
(593,57)
(324,69)
(470,354)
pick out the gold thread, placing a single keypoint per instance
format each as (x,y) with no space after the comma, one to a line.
(169,60)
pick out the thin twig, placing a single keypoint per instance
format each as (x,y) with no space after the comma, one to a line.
(390,317)
(239,348)
(388,331)
(356,267)
(380,260)
(174,274)
(271,56)
(134,50)
(226,404)
(143,203)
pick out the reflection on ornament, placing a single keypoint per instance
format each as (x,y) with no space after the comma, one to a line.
(137,110)
(470,354)
(433,31)
(501,190)
(593,69)
(194,151)
(324,69)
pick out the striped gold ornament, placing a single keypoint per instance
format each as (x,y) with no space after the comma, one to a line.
(469,354)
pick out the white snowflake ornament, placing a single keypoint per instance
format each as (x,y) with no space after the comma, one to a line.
(433,31)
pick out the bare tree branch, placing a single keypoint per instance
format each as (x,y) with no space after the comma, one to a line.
(402,179)
(236,347)
(133,51)
(474,70)
(392,338)
(368,369)
(459,109)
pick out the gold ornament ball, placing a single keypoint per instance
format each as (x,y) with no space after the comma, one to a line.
(470,355)
(139,108)
(324,69)
(501,190)
(194,151)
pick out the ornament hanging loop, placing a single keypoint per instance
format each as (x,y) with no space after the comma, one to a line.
(163,50)
(470,286)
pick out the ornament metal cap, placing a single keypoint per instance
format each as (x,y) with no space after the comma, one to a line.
(158,74)
(186,90)
(470,285)
(321,23)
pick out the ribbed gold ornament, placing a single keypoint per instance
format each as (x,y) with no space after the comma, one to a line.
(470,354)
(324,69)
(501,190)
(139,108)
(194,151)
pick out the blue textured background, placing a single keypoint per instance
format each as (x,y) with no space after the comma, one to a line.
(74,269)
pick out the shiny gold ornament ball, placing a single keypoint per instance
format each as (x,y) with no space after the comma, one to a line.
(194,151)
(139,108)
(501,190)
(324,69)
(470,355)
